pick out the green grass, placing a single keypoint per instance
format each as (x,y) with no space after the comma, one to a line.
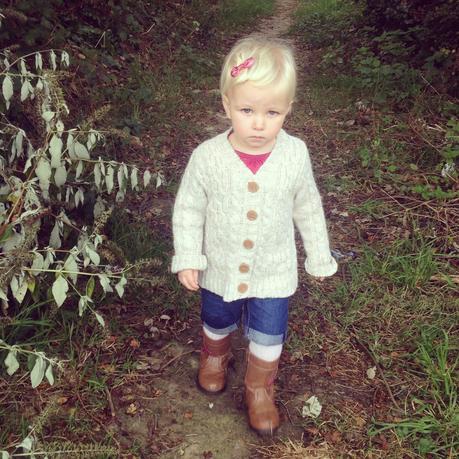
(433,427)
(388,300)
(323,22)
(237,14)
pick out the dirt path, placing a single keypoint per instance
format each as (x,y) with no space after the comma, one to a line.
(168,417)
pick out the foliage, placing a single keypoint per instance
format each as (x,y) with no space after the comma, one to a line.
(325,22)
(47,176)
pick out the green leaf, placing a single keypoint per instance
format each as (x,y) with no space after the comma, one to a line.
(38,262)
(109,179)
(81,151)
(52,58)
(11,362)
(90,287)
(43,172)
(59,289)
(18,290)
(25,90)
(38,371)
(38,61)
(71,146)
(60,176)
(105,283)
(97,175)
(55,240)
(119,287)
(134,178)
(146,178)
(7,88)
(79,169)
(71,265)
(100,319)
(83,304)
(48,116)
(49,374)
(93,255)
(65,58)
(55,149)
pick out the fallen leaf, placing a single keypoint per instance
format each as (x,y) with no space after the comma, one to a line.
(333,437)
(62,400)
(371,373)
(312,407)
(134,343)
(131,409)
(188,415)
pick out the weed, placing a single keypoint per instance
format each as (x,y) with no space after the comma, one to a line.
(434,425)
(370,207)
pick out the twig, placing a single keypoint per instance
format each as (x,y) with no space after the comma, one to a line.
(288,414)
(100,423)
(174,359)
(110,402)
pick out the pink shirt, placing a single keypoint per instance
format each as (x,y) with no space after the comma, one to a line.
(253,162)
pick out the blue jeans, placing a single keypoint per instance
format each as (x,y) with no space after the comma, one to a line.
(264,319)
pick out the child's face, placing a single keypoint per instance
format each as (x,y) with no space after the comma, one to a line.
(257,115)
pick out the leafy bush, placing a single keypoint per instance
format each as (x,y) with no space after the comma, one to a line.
(48,177)
(433,24)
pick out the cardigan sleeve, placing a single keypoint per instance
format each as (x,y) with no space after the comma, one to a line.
(188,220)
(309,218)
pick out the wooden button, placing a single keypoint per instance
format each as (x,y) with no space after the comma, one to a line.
(242,288)
(248,244)
(252,215)
(244,268)
(253,187)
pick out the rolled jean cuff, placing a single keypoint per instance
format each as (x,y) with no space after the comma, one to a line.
(263,338)
(220,331)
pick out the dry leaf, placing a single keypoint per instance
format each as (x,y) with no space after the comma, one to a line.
(371,373)
(131,409)
(134,343)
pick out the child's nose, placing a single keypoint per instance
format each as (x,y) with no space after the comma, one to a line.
(258,122)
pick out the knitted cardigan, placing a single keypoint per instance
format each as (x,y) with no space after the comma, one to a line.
(236,227)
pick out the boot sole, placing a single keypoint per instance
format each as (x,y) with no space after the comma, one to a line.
(264,433)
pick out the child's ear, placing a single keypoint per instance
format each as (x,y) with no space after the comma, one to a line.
(290,108)
(226,105)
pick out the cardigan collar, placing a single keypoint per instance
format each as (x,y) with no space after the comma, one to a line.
(229,151)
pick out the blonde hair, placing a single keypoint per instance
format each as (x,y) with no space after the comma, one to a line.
(274,64)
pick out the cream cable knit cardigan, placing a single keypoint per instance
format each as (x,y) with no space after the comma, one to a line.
(236,227)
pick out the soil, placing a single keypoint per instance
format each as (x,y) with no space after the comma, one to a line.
(166,416)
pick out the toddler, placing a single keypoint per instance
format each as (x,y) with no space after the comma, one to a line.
(233,220)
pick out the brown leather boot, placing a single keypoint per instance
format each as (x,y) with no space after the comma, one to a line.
(215,355)
(259,395)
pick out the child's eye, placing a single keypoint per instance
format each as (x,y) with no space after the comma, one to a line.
(247,111)
(273,113)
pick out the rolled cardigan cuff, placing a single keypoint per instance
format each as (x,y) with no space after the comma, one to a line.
(188,261)
(321,269)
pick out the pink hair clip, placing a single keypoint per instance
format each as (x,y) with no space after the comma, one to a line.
(237,69)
